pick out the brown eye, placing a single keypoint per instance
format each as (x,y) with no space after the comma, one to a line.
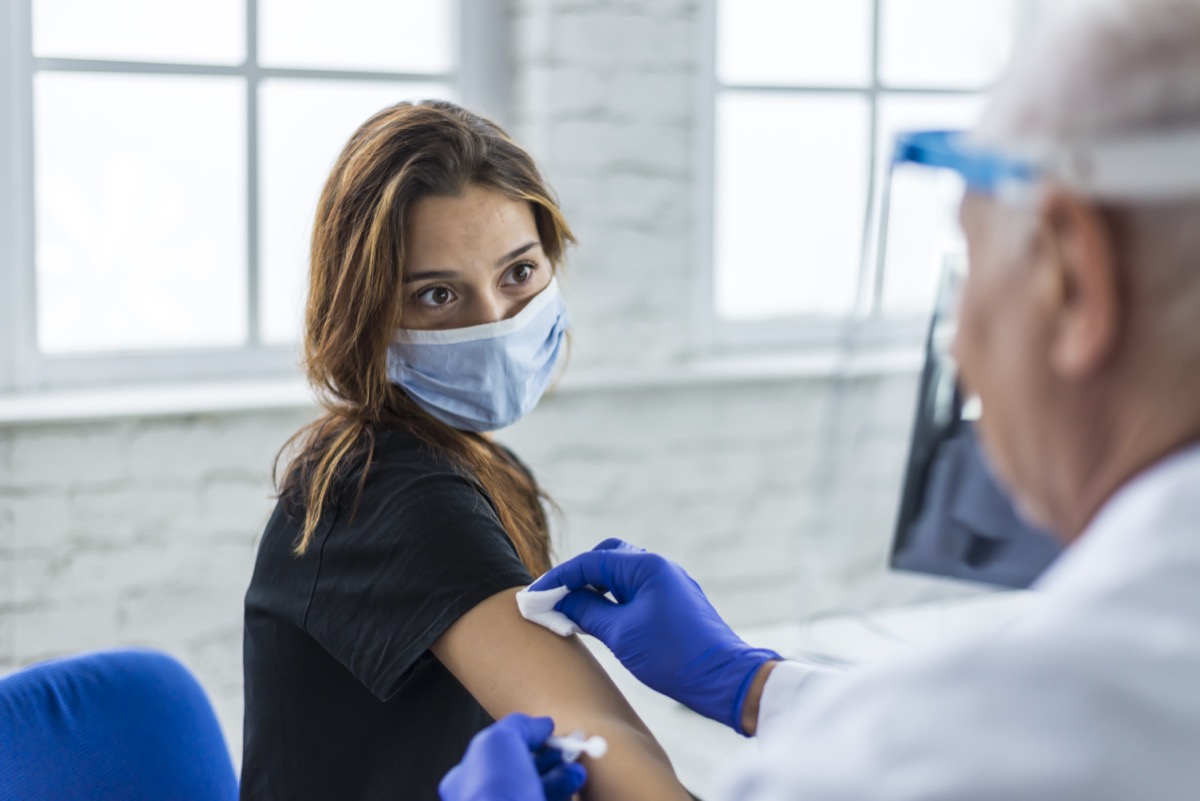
(521,273)
(435,296)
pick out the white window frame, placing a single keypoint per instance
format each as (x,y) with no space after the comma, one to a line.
(480,76)
(866,326)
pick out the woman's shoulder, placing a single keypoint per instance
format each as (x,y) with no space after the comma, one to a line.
(412,493)
(399,465)
(396,453)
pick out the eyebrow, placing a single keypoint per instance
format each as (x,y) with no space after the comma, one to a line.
(521,251)
(446,275)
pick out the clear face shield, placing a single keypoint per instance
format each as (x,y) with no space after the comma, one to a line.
(954,519)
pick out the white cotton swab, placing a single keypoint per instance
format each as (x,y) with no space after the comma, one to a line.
(573,746)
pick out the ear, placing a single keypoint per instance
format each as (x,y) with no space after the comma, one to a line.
(1082,283)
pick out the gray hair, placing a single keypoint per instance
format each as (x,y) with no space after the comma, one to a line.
(1098,69)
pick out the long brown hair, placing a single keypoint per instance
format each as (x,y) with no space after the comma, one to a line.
(401,154)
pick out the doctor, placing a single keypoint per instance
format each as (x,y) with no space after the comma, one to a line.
(1080,332)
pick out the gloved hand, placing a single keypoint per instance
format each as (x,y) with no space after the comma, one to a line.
(661,627)
(506,762)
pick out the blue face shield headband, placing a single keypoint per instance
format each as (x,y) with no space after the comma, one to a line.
(484,377)
(1162,166)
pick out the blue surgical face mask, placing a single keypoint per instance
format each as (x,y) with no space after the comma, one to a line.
(484,377)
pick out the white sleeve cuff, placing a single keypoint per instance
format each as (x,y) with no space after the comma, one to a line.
(782,694)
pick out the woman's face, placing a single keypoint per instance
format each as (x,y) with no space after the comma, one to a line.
(473,258)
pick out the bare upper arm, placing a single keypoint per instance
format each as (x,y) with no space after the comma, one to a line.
(511,665)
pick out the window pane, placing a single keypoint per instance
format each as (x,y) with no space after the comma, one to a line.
(379,35)
(922,232)
(813,42)
(945,43)
(141,232)
(304,126)
(184,31)
(923,211)
(791,180)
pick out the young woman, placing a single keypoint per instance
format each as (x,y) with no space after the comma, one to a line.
(381,628)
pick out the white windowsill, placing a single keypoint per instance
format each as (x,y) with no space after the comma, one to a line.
(158,400)
(743,369)
(180,399)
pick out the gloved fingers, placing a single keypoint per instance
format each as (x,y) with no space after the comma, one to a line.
(549,580)
(564,781)
(695,584)
(530,731)
(614,544)
(590,610)
(498,762)
(590,568)
(546,759)
(503,743)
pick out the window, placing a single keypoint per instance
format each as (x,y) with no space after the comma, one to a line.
(161,163)
(808,97)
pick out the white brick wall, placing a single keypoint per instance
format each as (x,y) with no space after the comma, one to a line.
(135,532)
(778,495)
(604,97)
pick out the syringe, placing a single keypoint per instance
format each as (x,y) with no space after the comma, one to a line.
(574,746)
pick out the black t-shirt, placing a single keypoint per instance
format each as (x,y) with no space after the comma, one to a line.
(343,699)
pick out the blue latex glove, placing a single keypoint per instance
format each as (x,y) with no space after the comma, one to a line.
(661,627)
(507,762)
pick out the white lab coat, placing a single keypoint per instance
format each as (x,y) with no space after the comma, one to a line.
(1095,696)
